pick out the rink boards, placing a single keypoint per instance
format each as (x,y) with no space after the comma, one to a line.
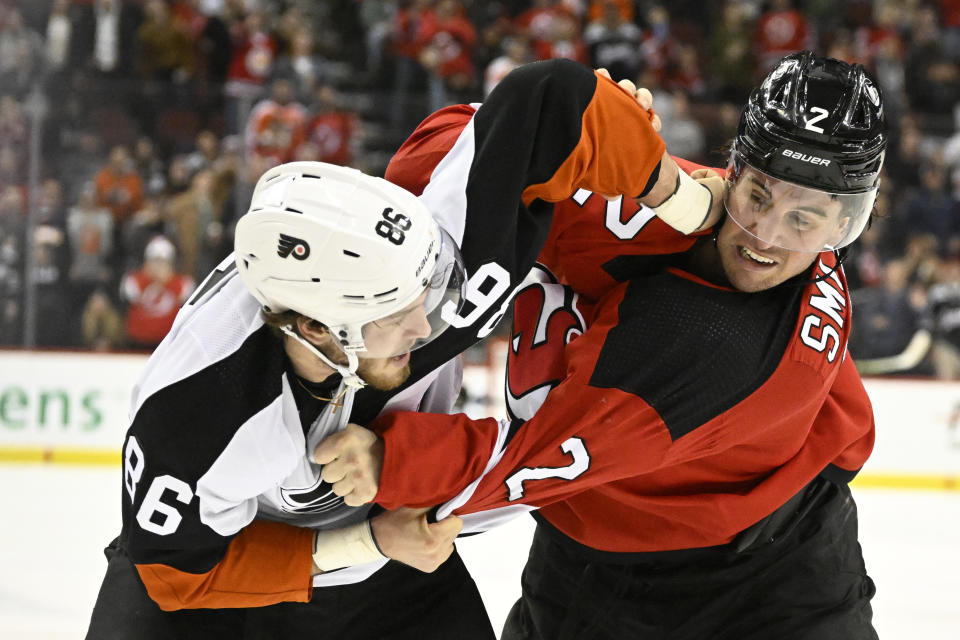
(71,408)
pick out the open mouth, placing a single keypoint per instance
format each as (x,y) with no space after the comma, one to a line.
(756,258)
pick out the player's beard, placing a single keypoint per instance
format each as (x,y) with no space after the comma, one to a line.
(382,373)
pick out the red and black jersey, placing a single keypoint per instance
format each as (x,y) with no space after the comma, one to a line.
(684,413)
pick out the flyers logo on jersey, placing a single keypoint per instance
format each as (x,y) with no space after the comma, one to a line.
(296,247)
(317,498)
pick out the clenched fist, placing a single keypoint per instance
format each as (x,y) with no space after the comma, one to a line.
(351,461)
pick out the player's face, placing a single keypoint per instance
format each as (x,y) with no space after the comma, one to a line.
(391,338)
(751,243)
(752,265)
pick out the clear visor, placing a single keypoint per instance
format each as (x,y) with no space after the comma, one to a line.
(420,322)
(793,217)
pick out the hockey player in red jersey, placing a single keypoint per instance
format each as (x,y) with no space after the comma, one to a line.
(687,441)
(347,296)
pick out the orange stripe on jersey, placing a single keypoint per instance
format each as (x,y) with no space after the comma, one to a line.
(267,563)
(613,127)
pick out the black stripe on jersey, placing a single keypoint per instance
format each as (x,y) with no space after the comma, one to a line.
(691,351)
(508,158)
(183,428)
(622,268)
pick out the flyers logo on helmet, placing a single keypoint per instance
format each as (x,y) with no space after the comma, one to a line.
(289,245)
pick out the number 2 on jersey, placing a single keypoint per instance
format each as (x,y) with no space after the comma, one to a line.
(581,462)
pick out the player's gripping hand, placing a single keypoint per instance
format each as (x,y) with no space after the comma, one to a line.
(406,536)
(642,96)
(351,461)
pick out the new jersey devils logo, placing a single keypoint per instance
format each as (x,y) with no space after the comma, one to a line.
(289,245)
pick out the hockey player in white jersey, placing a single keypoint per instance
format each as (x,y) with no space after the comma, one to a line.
(347,296)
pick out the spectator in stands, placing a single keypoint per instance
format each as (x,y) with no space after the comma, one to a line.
(205,154)
(302,67)
(106,47)
(377,19)
(614,41)
(58,45)
(16,41)
(331,131)
(90,236)
(149,166)
(119,186)
(12,209)
(101,324)
(446,39)
(682,132)
(659,46)
(537,21)
(405,46)
(887,62)
(275,129)
(153,295)
(14,133)
(887,316)
(864,268)
(516,52)
(54,327)
(253,51)
(196,220)
(780,30)
(683,75)
(598,9)
(25,69)
(930,209)
(146,223)
(562,41)
(943,299)
(164,51)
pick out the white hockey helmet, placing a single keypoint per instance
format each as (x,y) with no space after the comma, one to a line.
(345,249)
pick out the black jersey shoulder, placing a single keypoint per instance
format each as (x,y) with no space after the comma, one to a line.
(691,351)
(193,419)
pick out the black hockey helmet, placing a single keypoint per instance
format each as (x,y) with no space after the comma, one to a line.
(815,121)
(817,124)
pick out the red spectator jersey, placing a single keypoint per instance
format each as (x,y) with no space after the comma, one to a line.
(153,305)
(332,134)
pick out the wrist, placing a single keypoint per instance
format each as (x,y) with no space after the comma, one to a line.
(688,207)
(346,547)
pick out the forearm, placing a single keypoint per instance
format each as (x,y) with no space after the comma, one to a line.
(266,563)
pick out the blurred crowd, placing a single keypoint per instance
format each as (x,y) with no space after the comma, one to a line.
(152,119)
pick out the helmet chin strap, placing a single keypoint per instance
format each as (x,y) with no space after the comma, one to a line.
(349,372)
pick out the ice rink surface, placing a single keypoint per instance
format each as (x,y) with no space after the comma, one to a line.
(56,520)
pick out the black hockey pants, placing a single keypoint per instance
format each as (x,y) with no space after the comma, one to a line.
(807,583)
(396,603)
